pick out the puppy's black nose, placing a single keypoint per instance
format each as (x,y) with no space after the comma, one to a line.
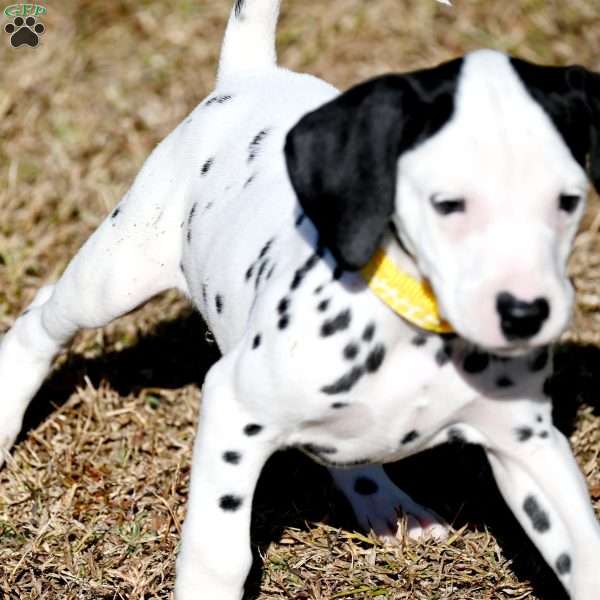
(520,320)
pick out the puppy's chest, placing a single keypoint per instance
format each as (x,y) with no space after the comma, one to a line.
(407,391)
(414,399)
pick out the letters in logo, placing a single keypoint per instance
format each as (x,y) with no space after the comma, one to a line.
(24,10)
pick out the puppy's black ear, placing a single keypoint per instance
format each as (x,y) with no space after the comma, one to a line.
(571,97)
(342,157)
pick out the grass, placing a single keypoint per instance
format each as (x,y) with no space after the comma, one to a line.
(92,500)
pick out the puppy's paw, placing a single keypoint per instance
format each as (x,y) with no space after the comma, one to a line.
(422,523)
(380,506)
(9,430)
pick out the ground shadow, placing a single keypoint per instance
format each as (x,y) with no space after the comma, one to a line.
(176,353)
(455,480)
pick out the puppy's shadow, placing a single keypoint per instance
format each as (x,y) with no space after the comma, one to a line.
(455,480)
(176,353)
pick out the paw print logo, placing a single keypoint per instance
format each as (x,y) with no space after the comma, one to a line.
(24,31)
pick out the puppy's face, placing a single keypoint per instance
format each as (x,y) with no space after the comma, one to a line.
(489,206)
(479,164)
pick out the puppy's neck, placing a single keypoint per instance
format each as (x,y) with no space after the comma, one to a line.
(392,245)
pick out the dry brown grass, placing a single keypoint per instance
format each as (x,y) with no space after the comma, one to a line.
(92,501)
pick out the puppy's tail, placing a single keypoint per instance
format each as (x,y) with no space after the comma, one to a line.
(249,43)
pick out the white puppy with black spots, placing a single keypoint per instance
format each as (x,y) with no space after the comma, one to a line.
(264,205)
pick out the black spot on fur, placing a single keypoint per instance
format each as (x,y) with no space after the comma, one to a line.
(261,270)
(448,345)
(218,100)
(540,361)
(544,434)
(369,332)
(206,166)
(419,340)
(411,436)
(539,419)
(205,293)
(249,180)
(219,303)
(265,248)
(351,351)
(249,272)
(563,564)
(232,457)
(230,502)
(270,273)
(115,213)
(284,322)
(299,219)
(300,273)
(375,359)
(539,517)
(524,433)
(323,305)
(256,341)
(192,213)
(338,323)
(503,382)
(345,383)
(365,486)
(255,144)
(296,281)
(476,362)
(312,260)
(283,306)
(338,405)
(239,7)
(252,429)
(442,357)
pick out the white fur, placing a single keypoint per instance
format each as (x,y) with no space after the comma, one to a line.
(195,221)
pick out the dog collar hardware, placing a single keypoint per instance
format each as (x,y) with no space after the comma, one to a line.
(405,295)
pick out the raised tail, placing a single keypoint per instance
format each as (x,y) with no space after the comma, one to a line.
(249,43)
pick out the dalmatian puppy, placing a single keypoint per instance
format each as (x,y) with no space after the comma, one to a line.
(266,205)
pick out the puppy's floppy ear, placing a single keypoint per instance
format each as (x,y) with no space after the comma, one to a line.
(571,97)
(342,157)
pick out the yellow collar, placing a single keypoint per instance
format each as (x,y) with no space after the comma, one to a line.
(405,295)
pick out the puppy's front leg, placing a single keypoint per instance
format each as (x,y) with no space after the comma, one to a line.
(540,480)
(230,450)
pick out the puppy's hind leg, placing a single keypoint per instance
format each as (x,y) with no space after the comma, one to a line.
(378,503)
(117,269)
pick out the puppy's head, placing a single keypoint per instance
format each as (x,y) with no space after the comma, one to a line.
(480,163)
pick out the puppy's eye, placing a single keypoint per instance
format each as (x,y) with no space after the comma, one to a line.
(448,206)
(568,202)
